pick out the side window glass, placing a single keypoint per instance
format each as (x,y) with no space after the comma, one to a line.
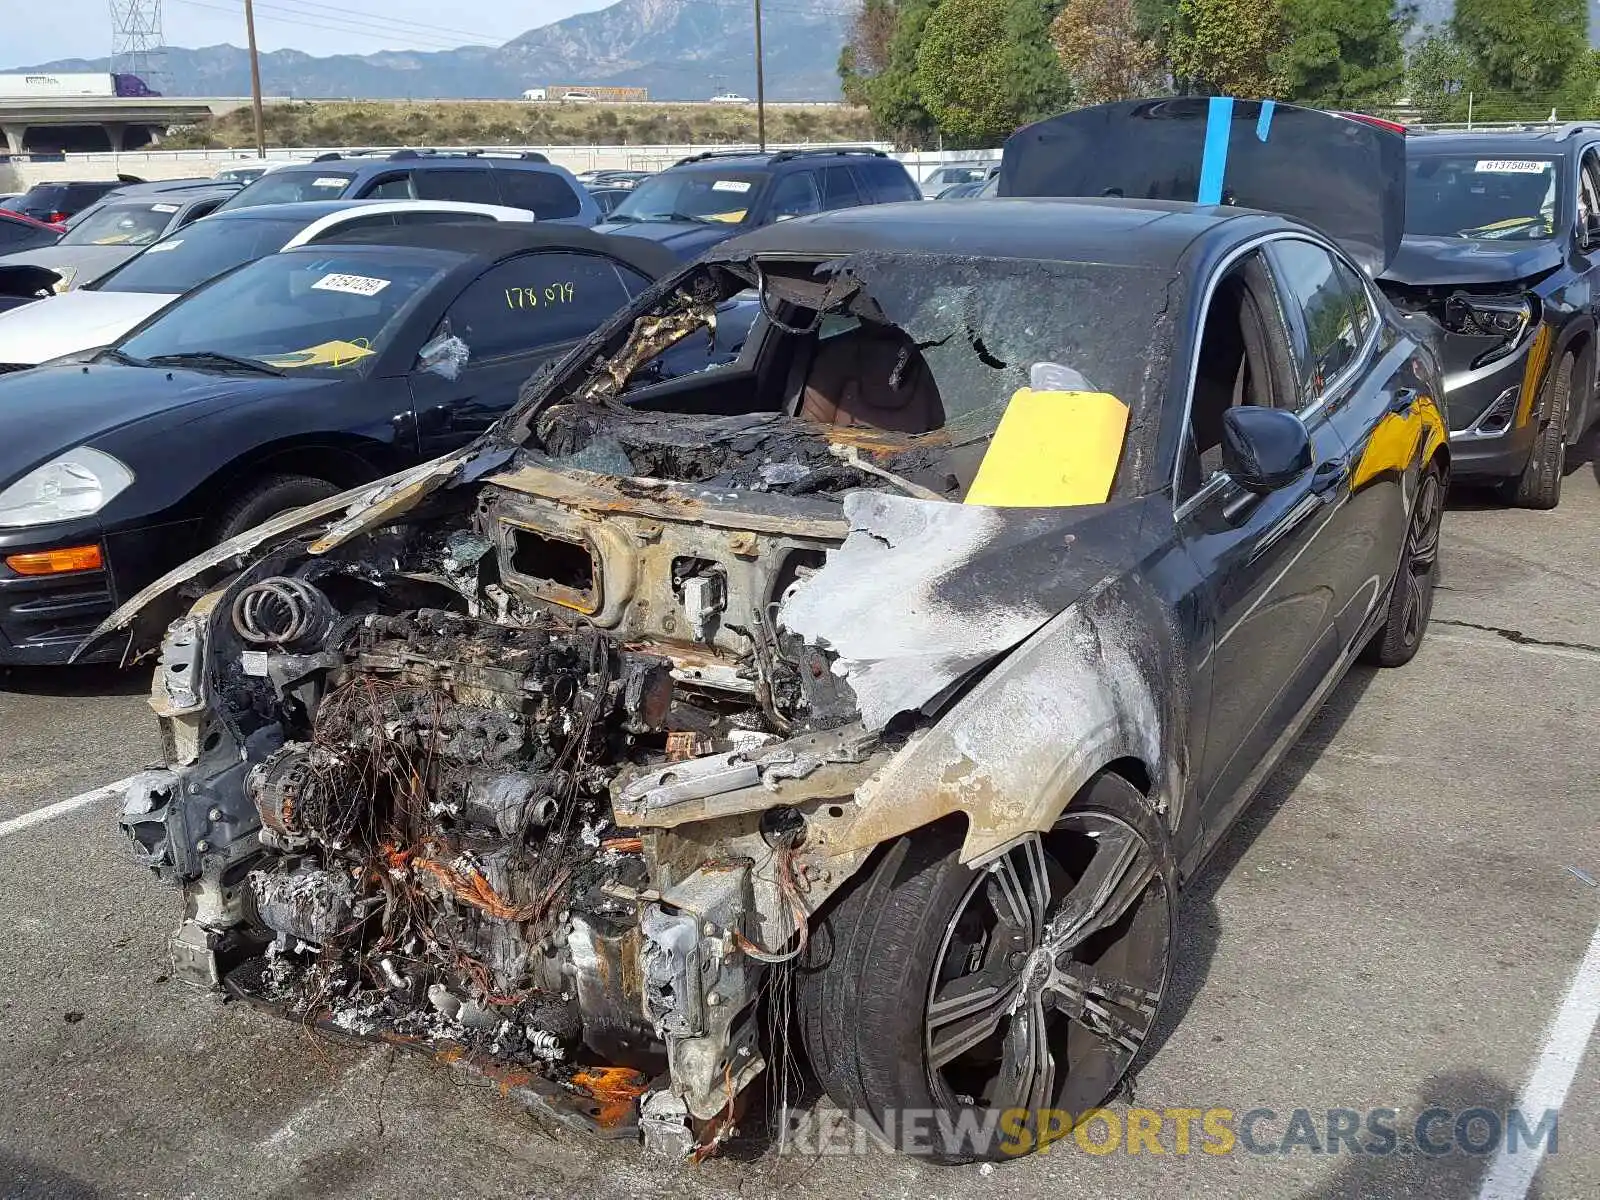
(197,211)
(390,187)
(839,188)
(795,196)
(1239,360)
(473,184)
(889,180)
(548,196)
(1324,315)
(1360,301)
(534,301)
(1588,190)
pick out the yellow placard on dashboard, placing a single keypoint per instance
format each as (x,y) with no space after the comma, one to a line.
(328,354)
(1052,449)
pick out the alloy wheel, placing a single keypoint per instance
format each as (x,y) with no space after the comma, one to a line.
(1051,972)
(1422,554)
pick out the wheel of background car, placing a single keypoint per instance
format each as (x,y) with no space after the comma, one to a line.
(267,498)
(1539,485)
(1030,983)
(1411,598)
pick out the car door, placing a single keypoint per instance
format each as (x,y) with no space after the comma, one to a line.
(1372,402)
(1262,558)
(502,328)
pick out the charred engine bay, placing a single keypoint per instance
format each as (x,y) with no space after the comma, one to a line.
(760,452)
(436,718)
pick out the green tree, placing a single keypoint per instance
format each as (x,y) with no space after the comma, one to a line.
(984,67)
(1104,51)
(892,94)
(866,54)
(1342,53)
(1039,87)
(1523,54)
(1437,77)
(1228,46)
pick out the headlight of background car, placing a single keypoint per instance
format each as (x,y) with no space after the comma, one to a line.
(67,274)
(76,484)
(1504,318)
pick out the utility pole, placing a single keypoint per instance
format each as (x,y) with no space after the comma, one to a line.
(761,86)
(255,79)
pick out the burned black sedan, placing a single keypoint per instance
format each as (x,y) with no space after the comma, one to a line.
(900,671)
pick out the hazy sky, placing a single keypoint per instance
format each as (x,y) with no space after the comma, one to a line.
(36,32)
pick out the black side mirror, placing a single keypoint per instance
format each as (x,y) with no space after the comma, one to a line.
(1264,449)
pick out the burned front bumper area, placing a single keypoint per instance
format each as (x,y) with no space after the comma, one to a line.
(538,787)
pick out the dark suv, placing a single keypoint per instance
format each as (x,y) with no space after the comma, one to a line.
(55,202)
(1502,258)
(516,180)
(712,197)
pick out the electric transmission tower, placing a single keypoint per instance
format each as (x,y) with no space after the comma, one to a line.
(136,40)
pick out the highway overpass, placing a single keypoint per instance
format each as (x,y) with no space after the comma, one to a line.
(49,124)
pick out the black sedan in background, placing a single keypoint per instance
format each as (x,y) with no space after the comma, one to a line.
(286,381)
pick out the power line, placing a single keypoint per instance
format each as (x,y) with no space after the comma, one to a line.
(347,13)
(308,24)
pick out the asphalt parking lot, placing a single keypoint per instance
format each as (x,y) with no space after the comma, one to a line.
(1395,924)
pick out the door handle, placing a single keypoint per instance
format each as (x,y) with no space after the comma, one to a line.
(1329,477)
(1404,400)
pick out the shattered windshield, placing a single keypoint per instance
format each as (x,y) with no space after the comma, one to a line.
(908,362)
(1482,198)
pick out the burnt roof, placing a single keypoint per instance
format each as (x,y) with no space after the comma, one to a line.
(492,241)
(1133,233)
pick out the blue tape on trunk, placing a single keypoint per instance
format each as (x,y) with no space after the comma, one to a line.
(1214,161)
(1264,121)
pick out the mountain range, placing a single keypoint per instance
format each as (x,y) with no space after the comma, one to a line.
(679,49)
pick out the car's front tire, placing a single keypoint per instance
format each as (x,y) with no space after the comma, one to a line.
(1411,597)
(268,497)
(967,1012)
(1539,485)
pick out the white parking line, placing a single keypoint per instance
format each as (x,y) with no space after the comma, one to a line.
(1510,1176)
(37,816)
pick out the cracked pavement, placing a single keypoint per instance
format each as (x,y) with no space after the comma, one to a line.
(1393,922)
